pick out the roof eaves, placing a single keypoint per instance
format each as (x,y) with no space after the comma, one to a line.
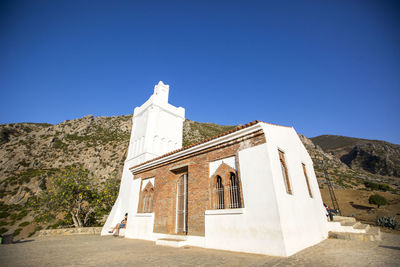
(204,141)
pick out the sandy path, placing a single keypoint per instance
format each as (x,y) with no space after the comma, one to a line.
(90,250)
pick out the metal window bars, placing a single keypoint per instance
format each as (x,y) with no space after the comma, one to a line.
(181,211)
(144,208)
(233,191)
(219,194)
(234,197)
(219,198)
(150,202)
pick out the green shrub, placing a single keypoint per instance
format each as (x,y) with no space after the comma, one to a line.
(23,224)
(378,200)
(24,163)
(376,186)
(3,230)
(31,234)
(19,216)
(388,222)
(27,189)
(3,223)
(385,187)
(4,207)
(58,144)
(38,228)
(4,214)
(56,225)
(371,185)
(16,232)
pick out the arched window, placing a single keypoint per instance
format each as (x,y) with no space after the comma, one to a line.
(146,205)
(234,192)
(226,190)
(219,201)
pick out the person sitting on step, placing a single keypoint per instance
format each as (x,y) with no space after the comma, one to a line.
(120,225)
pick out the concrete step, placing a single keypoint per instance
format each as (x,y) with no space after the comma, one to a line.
(349,223)
(122,232)
(350,227)
(171,242)
(372,234)
(343,219)
(362,226)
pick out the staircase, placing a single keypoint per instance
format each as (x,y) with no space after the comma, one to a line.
(348,228)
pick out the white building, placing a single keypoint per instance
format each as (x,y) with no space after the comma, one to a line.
(252,189)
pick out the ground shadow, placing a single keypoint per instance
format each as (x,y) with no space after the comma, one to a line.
(391,247)
(360,207)
(22,241)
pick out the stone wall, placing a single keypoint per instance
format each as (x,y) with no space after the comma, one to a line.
(70,231)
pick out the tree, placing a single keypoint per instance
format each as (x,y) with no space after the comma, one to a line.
(69,193)
(377,200)
(107,194)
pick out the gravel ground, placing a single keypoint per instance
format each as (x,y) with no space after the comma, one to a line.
(91,250)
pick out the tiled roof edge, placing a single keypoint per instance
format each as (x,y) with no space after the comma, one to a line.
(206,140)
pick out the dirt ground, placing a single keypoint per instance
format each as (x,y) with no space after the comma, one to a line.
(93,250)
(355,203)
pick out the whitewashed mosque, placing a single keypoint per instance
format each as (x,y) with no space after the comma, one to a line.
(252,189)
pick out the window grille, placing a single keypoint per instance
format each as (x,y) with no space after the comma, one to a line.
(181,205)
(219,194)
(234,192)
(144,201)
(285,172)
(150,201)
(308,183)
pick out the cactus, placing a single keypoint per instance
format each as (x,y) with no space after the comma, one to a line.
(388,222)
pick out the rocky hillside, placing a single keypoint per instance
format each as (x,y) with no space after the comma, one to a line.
(194,132)
(373,156)
(30,153)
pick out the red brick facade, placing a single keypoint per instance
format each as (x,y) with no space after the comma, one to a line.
(200,184)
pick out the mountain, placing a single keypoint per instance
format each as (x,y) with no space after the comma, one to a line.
(373,156)
(31,153)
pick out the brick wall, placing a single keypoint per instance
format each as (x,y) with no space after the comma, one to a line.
(199,184)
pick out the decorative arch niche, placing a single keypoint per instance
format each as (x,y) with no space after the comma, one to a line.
(225,188)
(146,199)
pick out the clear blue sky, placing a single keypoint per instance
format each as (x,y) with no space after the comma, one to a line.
(324,67)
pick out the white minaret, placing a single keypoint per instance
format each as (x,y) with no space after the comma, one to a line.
(156,130)
(156,127)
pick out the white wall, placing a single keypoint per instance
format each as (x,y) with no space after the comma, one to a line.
(214,165)
(272,221)
(257,229)
(142,227)
(121,205)
(302,217)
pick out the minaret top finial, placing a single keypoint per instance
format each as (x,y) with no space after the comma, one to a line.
(161,91)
